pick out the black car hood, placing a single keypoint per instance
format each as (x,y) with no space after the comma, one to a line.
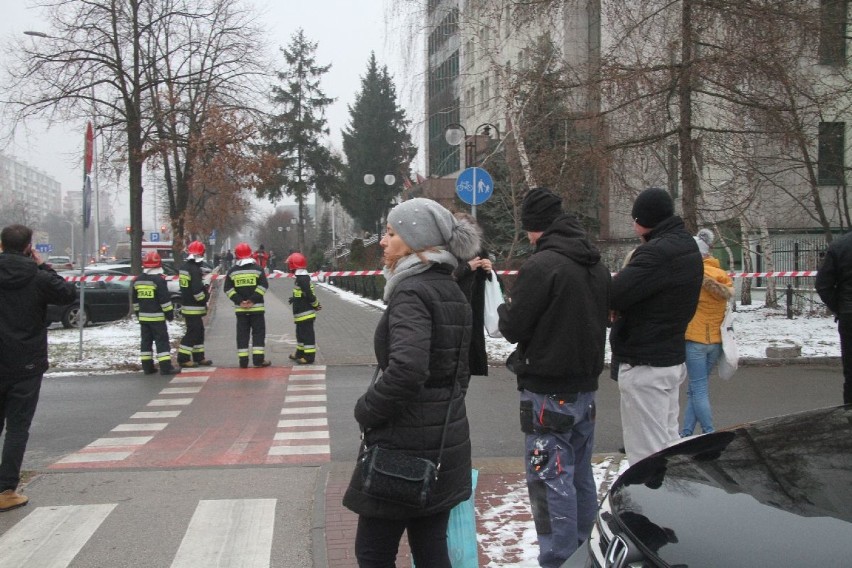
(774,493)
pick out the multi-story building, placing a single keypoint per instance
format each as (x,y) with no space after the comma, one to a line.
(28,188)
(791,184)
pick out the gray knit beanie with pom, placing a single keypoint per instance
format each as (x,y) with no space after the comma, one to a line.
(423,223)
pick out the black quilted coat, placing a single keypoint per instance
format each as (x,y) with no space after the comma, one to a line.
(421,344)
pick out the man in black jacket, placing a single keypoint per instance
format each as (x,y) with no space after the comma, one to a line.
(27,286)
(834,286)
(654,298)
(558,318)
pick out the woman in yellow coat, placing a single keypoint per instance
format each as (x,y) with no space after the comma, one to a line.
(704,338)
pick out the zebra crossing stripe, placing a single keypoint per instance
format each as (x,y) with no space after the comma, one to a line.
(318,435)
(87,457)
(170,402)
(303,410)
(317,377)
(228,532)
(303,422)
(50,537)
(161,414)
(180,390)
(144,427)
(298,450)
(302,388)
(307,398)
(183,378)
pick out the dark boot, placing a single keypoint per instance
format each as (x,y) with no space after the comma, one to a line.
(148,367)
(166,368)
(262,363)
(243,362)
(203,362)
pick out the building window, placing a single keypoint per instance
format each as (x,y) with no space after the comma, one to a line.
(832,32)
(830,153)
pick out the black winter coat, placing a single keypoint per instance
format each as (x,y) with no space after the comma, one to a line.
(472,283)
(655,297)
(559,312)
(421,345)
(25,291)
(834,279)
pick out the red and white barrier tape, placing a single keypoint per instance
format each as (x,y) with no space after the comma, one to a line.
(122,277)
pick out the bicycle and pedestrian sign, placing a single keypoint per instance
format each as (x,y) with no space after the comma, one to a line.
(474,186)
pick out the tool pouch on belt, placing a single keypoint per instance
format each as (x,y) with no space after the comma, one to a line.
(550,417)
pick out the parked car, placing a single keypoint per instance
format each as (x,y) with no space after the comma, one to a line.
(103,301)
(777,492)
(60,263)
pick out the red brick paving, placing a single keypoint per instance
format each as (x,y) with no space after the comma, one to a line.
(492,485)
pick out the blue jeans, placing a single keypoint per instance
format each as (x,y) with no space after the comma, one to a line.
(560,437)
(700,360)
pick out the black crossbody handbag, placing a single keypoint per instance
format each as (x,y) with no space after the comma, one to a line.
(396,477)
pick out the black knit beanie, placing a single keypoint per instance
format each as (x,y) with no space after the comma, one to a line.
(652,207)
(540,208)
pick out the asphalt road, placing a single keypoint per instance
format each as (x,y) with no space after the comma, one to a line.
(152,506)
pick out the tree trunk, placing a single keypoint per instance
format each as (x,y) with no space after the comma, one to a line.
(745,289)
(687,161)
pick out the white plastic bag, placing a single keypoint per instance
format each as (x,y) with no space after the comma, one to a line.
(493,298)
(730,358)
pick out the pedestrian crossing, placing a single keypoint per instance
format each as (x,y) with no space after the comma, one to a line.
(221,533)
(213,417)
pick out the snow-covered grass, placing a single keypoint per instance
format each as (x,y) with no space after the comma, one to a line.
(510,537)
(114,347)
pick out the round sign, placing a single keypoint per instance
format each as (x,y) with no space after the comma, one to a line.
(474,186)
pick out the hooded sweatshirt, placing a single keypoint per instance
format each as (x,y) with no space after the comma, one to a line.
(558,313)
(25,291)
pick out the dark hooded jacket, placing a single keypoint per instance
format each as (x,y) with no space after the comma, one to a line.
(558,313)
(655,297)
(25,291)
(834,279)
(421,345)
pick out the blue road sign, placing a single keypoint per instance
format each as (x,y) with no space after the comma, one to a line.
(44,248)
(474,186)
(155,237)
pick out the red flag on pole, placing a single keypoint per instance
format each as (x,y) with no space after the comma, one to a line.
(90,149)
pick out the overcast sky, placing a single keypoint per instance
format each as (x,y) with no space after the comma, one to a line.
(346,31)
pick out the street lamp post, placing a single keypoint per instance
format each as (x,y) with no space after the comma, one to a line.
(456,133)
(390,180)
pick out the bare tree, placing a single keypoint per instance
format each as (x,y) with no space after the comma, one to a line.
(134,66)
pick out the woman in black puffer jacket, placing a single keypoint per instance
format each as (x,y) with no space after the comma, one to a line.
(421,344)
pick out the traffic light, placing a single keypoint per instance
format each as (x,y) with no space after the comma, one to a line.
(127,229)
(163,228)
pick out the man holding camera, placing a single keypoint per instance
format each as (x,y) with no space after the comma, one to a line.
(27,286)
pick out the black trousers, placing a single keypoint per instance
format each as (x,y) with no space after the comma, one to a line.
(377,541)
(844,328)
(192,344)
(18,401)
(306,340)
(154,333)
(251,326)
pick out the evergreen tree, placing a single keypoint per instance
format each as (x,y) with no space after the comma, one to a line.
(376,141)
(294,136)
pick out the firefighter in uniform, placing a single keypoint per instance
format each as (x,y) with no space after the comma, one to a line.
(194,293)
(246,285)
(152,305)
(305,307)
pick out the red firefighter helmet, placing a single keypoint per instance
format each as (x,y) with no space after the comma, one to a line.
(297,260)
(242,250)
(152,260)
(196,248)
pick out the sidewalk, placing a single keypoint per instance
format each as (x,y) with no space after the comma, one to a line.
(503,518)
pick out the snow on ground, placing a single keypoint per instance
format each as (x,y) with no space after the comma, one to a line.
(510,534)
